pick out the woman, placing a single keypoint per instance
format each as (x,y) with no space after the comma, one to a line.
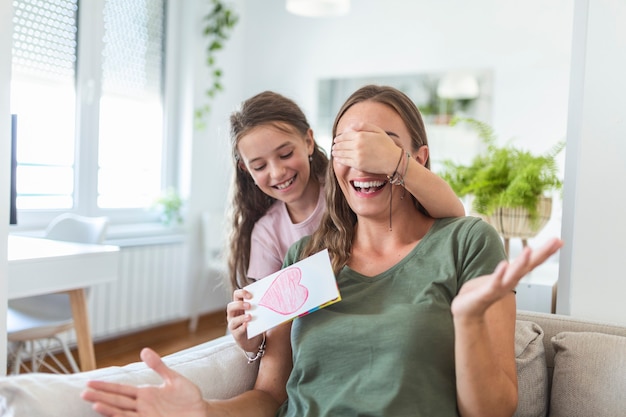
(426,322)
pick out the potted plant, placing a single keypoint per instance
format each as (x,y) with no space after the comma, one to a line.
(509,187)
(170,204)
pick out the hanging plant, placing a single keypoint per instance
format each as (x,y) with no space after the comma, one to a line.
(219,25)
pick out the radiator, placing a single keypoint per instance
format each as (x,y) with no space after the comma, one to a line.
(152,287)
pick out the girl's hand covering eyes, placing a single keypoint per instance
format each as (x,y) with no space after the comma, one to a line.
(367,148)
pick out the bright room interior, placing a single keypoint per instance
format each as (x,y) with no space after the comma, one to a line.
(539,93)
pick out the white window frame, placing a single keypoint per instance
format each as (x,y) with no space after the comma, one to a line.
(88,74)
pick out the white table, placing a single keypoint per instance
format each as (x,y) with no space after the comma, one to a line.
(43,266)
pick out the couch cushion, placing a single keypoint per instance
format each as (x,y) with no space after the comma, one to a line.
(589,375)
(532,376)
(217,367)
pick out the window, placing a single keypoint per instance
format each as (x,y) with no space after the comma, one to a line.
(88,87)
(42,96)
(131,120)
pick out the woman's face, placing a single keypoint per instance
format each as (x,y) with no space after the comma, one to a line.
(367,193)
(277,161)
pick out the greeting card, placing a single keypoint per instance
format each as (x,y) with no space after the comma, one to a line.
(294,291)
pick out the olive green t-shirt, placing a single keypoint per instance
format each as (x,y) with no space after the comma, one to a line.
(387,348)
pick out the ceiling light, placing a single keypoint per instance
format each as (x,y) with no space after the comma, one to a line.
(318,8)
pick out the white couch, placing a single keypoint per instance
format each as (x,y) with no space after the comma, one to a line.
(573,368)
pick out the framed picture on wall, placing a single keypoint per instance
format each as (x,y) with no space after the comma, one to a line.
(439,97)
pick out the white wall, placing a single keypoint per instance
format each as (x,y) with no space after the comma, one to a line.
(527,44)
(593,265)
(5,165)
(206,155)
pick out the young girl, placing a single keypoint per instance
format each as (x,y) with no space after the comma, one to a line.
(277,194)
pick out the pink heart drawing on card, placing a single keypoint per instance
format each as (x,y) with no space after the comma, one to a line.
(286,295)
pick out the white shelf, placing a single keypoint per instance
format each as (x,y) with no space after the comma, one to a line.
(537,290)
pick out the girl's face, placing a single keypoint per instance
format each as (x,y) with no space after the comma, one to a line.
(367,193)
(277,161)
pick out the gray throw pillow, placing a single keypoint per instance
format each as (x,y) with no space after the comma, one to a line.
(589,375)
(532,375)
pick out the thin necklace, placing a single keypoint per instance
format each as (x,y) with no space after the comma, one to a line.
(391,199)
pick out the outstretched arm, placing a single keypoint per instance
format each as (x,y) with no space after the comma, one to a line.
(432,191)
(178,396)
(484,327)
(370,149)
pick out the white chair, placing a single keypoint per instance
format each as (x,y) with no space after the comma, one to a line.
(35,323)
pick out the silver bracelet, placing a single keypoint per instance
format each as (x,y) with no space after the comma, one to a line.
(259,354)
(396,178)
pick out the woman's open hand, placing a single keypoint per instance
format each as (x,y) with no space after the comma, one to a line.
(177,396)
(478,294)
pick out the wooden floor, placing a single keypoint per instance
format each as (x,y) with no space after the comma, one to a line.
(165,339)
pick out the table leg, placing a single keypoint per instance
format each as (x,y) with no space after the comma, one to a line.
(86,353)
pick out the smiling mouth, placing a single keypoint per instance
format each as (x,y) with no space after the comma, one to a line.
(285,184)
(368,187)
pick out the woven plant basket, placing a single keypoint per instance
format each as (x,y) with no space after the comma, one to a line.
(515,222)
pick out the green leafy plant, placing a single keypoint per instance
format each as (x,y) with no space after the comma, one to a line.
(219,24)
(170,206)
(503,176)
